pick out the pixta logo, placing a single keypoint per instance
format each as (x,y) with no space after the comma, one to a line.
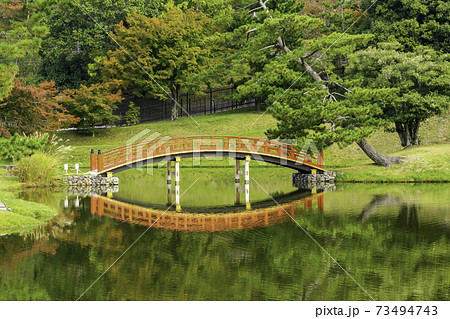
(140,151)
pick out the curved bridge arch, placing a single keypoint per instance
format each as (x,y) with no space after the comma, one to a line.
(291,197)
(166,149)
(198,222)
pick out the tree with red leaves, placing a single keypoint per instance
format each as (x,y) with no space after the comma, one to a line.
(30,109)
(93,105)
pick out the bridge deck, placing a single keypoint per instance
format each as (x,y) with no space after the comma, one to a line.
(195,222)
(165,149)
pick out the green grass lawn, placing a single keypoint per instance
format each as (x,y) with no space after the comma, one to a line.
(429,163)
(227,123)
(433,164)
(24,214)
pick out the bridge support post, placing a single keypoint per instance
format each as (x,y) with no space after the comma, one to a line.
(94,200)
(169,183)
(320,160)
(93,161)
(99,161)
(177,183)
(320,202)
(247,183)
(237,165)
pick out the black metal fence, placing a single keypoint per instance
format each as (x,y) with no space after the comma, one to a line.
(214,101)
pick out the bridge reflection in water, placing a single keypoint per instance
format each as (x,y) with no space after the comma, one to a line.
(197,222)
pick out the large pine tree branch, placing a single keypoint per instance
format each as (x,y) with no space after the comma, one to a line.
(369,150)
(282,45)
(377,157)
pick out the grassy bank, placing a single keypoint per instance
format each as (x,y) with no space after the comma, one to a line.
(24,215)
(428,162)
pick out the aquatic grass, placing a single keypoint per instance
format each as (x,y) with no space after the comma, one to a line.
(7,181)
(38,169)
(24,214)
(9,220)
(26,208)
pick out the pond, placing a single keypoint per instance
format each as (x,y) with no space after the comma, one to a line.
(357,242)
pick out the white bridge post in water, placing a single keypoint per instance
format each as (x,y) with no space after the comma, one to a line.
(169,183)
(247,182)
(237,165)
(177,183)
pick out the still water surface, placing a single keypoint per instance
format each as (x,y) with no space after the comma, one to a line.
(392,239)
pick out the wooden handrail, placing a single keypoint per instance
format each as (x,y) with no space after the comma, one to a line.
(143,216)
(142,150)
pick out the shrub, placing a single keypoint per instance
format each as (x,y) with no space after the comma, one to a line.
(132,116)
(93,105)
(19,146)
(39,169)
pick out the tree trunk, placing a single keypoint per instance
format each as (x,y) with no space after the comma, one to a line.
(174,115)
(258,104)
(175,95)
(377,157)
(408,217)
(414,132)
(408,132)
(403,134)
(377,202)
(371,152)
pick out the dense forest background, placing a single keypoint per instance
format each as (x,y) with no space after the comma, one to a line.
(330,71)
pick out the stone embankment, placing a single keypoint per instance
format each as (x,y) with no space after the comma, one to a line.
(92,185)
(92,191)
(92,180)
(323,181)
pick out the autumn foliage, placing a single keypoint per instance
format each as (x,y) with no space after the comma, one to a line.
(93,105)
(171,50)
(337,14)
(30,109)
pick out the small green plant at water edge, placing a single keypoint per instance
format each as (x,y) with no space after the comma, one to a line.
(39,169)
(19,146)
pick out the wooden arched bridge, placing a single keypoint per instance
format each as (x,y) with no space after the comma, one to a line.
(168,148)
(195,222)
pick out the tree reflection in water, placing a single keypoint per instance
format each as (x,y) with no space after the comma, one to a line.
(393,246)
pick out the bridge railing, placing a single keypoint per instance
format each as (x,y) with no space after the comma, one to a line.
(143,216)
(169,146)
